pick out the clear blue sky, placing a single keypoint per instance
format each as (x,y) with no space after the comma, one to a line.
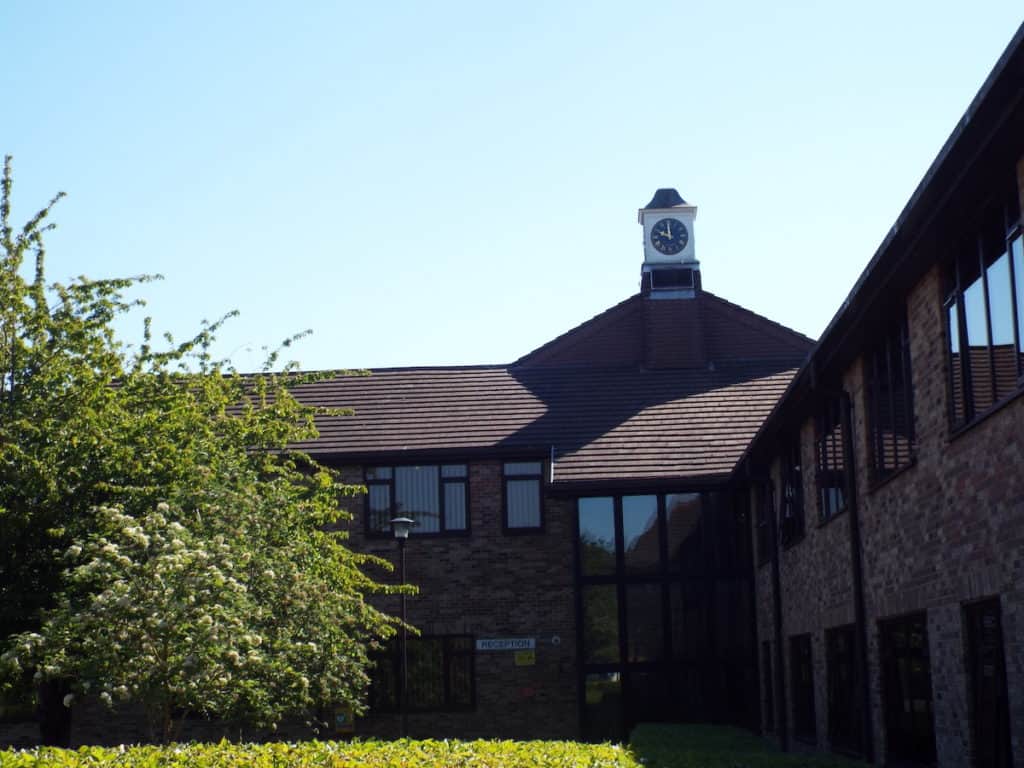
(449,183)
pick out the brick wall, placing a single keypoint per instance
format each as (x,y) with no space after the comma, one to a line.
(949,530)
(816,586)
(673,333)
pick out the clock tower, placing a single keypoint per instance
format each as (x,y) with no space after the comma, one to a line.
(670,269)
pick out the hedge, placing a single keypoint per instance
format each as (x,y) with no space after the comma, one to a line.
(717,746)
(317,754)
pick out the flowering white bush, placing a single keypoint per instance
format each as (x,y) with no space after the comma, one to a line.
(245,611)
(160,543)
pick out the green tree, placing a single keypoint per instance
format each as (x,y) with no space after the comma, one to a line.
(161,543)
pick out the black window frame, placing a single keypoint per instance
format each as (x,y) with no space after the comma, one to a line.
(442,484)
(506,478)
(832,460)
(988,695)
(843,691)
(388,701)
(916,744)
(801,663)
(997,231)
(791,493)
(889,388)
(767,687)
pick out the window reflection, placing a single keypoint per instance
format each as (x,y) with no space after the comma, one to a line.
(600,624)
(663,630)
(597,535)
(683,513)
(977,344)
(640,535)
(689,620)
(644,610)
(1000,304)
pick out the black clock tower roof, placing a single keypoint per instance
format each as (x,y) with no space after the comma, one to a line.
(665,198)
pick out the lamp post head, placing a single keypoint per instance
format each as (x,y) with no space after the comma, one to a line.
(401,526)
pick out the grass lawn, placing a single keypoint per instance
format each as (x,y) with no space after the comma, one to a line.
(715,746)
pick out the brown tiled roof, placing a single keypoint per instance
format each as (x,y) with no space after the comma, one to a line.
(603,423)
(614,421)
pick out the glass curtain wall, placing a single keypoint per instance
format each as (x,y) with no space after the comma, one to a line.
(665,605)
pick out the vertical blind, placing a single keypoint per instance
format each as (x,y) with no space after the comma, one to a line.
(431,495)
(522,494)
(416,496)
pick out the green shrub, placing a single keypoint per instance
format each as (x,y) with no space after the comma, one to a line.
(356,754)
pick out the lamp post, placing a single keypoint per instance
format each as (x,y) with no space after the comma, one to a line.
(401,526)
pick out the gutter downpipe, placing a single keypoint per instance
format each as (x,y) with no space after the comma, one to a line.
(780,674)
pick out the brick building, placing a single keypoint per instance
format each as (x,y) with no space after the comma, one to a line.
(625,525)
(888,483)
(582,559)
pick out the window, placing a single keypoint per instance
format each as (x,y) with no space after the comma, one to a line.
(802,669)
(522,495)
(890,403)
(907,690)
(831,458)
(664,602)
(984,312)
(765,510)
(986,667)
(845,716)
(441,675)
(792,517)
(435,496)
(767,694)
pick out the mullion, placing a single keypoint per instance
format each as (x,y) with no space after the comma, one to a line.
(620,581)
(440,502)
(666,597)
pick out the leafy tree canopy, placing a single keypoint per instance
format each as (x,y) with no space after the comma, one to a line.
(161,543)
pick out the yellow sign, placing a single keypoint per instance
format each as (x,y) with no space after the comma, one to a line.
(526,658)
